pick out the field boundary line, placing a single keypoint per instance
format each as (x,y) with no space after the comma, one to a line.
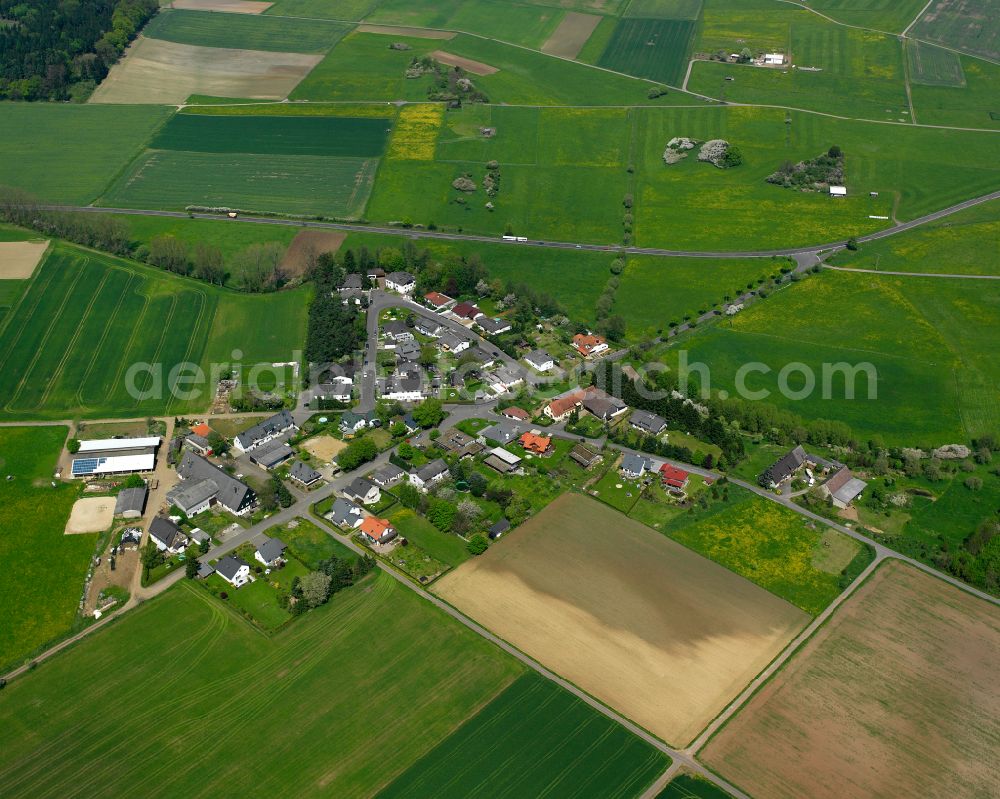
(45,339)
(57,372)
(100,342)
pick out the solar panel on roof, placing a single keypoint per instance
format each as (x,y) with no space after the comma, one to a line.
(87,465)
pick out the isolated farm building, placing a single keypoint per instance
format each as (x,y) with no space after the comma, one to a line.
(498,529)
(197,443)
(233,570)
(438,301)
(784,468)
(635,466)
(562,407)
(585,456)
(352,282)
(396,330)
(502,461)
(401,282)
(673,477)
(266,431)
(450,342)
(377,531)
(646,422)
(304,474)
(535,443)
(362,490)
(425,476)
(540,360)
(235,496)
(131,502)
(603,405)
(167,536)
(493,327)
(270,551)
(843,488)
(271,455)
(513,412)
(345,513)
(428,327)
(115,456)
(503,432)
(838,191)
(388,475)
(467,311)
(589,345)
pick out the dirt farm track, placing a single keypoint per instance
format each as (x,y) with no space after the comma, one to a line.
(652,629)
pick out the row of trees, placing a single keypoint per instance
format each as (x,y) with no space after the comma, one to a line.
(58,50)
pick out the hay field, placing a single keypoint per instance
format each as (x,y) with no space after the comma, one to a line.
(91,515)
(18,259)
(161,72)
(246,31)
(569,38)
(895,696)
(657,632)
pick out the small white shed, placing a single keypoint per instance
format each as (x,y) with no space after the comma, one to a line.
(838,191)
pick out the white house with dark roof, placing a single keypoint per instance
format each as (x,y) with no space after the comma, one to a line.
(400,282)
(635,466)
(167,536)
(304,474)
(266,431)
(388,475)
(424,477)
(396,330)
(219,486)
(362,490)
(270,551)
(428,327)
(345,513)
(646,422)
(234,571)
(540,360)
(492,327)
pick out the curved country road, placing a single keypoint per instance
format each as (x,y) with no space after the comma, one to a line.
(559,245)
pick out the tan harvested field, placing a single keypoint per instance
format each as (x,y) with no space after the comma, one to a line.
(323,447)
(91,515)
(897,695)
(414,33)
(650,628)
(18,259)
(569,38)
(308,244)
(230,6)
(157,71)
(475,67)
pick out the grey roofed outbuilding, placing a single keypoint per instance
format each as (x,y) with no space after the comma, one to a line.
(131,501)
(232,493)
(344,512)
(272,454)
(192,493)
(271,426)
(499,528)
(198,442)
(205,569)
(504,432)
(647,422)
(229,565)
(847,493)
(166,532)
(304,473)
(198,535)
(388,474)
(272,548)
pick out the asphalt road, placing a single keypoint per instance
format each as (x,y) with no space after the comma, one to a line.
(561,245)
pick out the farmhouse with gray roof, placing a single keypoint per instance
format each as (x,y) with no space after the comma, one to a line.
(234,495)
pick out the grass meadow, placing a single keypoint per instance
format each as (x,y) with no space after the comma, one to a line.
(351,10)
(228,236)
(496,752)
(85,318)
(887,15)
(245,31)
(931,341)
(46,569)
(376,658)
(657,49)
(974,103)
(41,158)
(292,184)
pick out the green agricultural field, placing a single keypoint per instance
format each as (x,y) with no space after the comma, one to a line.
(888,15)
(518,23)
(248,108)
(931,342)
(41,158)
(934,66)
(951,245)
(245,31)
(688,786)
(967,25)
(351,10)
(296,184)
(860,74)
(85,319)
(761,25)
(664,9)
(975,103)
(771,546)
(46,569)
(497,751)
(592,51)
(377,657)
(653,292)
(651,48)
(273,135)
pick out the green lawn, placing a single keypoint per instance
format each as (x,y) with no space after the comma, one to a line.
(444,547)
(43,581)
(972,103)
(310,544)
(616,490)
(296,184)
(495,753)
(245,31)
(41,158)
(377,657)
(67,347)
